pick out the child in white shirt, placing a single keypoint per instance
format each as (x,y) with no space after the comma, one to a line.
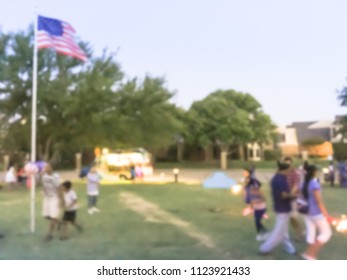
(70,213)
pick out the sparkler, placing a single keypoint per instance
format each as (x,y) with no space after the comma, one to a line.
(341,224)
(236,189)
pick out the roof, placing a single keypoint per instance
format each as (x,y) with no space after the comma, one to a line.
(321,124)
(304,132)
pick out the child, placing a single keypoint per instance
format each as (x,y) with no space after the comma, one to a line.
(257,202)
(247,198)
(11,178)
(70,204)
(93,181)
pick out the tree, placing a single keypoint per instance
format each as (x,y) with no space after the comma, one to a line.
(147,118)
(228,118)
(71,96)
(79,105)
(343,122)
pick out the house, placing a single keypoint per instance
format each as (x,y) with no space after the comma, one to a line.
(292,137)
(287,141)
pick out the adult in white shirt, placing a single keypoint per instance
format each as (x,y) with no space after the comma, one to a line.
(51,201)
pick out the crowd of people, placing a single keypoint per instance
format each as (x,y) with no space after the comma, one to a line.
(295,193)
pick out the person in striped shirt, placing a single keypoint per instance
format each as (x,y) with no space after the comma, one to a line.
(294,178)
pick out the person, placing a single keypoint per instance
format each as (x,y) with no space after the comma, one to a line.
(340,170)
(247,193)
(281,196)
(331,174)
(293,178)
(132,171)
(257,201)
(11,178)
(51,201)
(93,181)
(317,218)
(70,213)
(139,172)
(21,176)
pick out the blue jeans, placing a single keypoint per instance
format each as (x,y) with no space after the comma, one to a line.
(258,215)
(279,235)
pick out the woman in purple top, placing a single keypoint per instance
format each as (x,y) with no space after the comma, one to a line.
(316,220)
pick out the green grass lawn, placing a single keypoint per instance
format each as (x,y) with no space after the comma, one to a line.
(120,233)
(232,164)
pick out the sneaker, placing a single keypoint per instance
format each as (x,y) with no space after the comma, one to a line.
(262,237)
(307,257)
(90,211)
(63,238)
(96,210)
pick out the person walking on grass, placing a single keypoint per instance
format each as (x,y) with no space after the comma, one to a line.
(318,231)
(93,182)
(51,201)
(70,205)
(331,174)
(258,204)
(281,196)
(293,178)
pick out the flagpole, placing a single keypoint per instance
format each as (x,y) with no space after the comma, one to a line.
(33,125)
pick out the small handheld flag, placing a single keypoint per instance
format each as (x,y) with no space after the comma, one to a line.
(59,35)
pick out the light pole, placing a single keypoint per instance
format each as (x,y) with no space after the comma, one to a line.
(176,171)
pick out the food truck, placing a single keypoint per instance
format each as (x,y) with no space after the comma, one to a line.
(119,162)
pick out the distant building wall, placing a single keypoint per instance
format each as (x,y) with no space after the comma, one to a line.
(290,150)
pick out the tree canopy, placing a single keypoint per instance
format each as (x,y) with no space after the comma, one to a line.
(228,117)
(92,104)
(79,105)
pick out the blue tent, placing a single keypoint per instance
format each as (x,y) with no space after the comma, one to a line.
(219,180)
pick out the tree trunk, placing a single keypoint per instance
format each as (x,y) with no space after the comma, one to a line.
(224,157)
(262,152)
(208,152)
(47,148)
(180,150)
(241,152)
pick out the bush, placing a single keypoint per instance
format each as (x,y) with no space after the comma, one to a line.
(340,151)
(272,154)
(313,141)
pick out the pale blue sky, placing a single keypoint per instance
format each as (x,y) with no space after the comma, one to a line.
(291,54)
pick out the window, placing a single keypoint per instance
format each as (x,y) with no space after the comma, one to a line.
(282,138)
(251,153)
(258,153)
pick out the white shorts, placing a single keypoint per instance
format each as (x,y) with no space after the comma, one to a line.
(51,207)
(317,223)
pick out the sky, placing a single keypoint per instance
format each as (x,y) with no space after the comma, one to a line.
(291,55)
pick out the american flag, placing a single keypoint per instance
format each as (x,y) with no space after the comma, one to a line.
(59,35)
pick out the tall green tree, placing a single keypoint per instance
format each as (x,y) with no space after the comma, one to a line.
(79,105)
(147,117)
(229,118)
(342,97)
